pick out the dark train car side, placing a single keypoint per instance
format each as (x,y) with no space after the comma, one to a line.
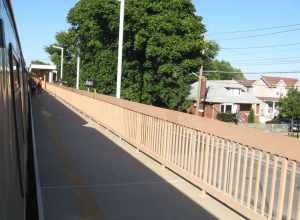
(16,160)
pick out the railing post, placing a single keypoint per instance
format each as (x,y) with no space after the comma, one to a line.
(256,191)
(231,172)
(206,159)
(249,195)
(216,158)
(298,207)
(226,167)
(282,188)
(291,193)
(274,177)
(221,165)
(237,184)
(245,167)
(264,192)
(139,131)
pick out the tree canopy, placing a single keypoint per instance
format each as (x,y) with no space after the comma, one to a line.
(224,71)
(163,45)
(39,62)
(289,106)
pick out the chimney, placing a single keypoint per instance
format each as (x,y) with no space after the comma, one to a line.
(203,89)
(200,104)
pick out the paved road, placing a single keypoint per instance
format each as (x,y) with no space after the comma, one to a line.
(85,176)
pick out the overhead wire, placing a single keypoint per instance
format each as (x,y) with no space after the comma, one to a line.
(265,52)
(269,63)
(254,29)
(264,61)
(254,73)
(262,46)
(268,59)
(259,35)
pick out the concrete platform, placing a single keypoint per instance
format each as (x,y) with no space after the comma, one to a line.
(87,173)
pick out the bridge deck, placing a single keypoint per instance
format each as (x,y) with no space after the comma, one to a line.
(84,175)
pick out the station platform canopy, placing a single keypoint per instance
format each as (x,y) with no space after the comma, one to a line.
(46,71)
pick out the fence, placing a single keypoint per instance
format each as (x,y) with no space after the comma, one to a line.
(269,128)
(254,173)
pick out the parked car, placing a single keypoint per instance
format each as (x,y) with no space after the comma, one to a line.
(279,120)
(295,127)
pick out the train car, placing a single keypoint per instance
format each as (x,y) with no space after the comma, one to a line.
(18,198)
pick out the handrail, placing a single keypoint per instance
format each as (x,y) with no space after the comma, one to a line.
(273,143)
(254,173)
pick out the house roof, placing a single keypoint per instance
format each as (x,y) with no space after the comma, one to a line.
(273,81)
(226,84)
(247,83)
(219,83)
(269,99)
(217,92)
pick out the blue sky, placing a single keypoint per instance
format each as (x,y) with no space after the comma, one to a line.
(38,21)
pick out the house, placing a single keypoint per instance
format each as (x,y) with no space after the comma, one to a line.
(269,90)
(223,96)
(297,85)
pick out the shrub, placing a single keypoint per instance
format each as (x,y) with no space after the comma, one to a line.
(227,117)
(251,117)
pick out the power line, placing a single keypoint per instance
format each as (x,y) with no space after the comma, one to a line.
(295,61)
(238,83)
(260,35)
(267,59)
(265,52)
(255,29)
(254,73)
(268,64)
(262,47)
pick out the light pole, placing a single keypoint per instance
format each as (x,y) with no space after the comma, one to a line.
(61,61)
(120,51)
(78,70)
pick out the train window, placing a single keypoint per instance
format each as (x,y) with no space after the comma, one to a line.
(2,42)
(17,113)
(16,73)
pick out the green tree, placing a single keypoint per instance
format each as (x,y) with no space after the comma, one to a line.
(39,62)
(289,106)
(163,44)
(226,71)
(67,40)
(251,117)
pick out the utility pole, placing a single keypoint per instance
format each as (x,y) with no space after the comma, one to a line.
(62,64)
(120,51)
(78,70)
(200,83)
(199,89)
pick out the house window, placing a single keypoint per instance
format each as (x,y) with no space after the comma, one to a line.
(226,108)
(245,107)
(235,92)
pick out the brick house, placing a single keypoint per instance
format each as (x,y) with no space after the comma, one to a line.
(223,96)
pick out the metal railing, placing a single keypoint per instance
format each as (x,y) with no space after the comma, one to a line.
(254,173)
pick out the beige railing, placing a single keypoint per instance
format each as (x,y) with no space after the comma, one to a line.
(254,173)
